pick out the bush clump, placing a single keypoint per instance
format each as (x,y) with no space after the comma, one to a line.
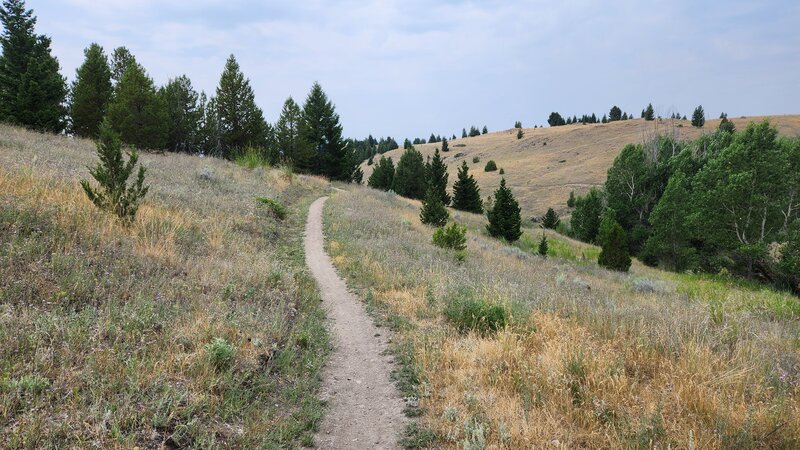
(275,207)
(469,314)
(491,166)
(475,160)
(220,353)
(453,237)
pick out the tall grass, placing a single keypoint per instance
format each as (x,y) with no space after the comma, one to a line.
(589,358)
(197,326)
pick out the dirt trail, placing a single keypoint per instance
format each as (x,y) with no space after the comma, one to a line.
(364,408)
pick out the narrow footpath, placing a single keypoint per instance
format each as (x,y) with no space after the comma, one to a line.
(364,407)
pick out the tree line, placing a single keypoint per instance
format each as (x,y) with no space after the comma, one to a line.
(174,117)
(725,202)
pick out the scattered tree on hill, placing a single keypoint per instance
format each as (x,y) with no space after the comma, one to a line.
(571,200)
(698,117)
(180,100)
(520,134)
(121,60)
(383,175)
(463,133)
(543,247)
(485,130)
(406,144)
(518,124)
(136,112)
(466,193)
(410,179)
(90,93)
(437,177)
(649,113)
(112,173)
(32,91)
(624,116)
(615,114)
(445,147)
(491,166)
(287,131)
(613,242)
(241,121)
(585,220)
(551,219)
(433,211)
(474,131)
(504,217)
(321,137)
(604,119)
(725,124)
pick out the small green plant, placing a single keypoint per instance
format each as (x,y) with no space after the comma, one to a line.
(27,384)
(415,436)
(453,237)
(502,171)
(275,207)
(470,314)
(112,173)
(475,160)
(491,166)
(251,157)
(220,353)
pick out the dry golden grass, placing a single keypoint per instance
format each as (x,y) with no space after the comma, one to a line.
(587,361)
(104,328)
(575,157)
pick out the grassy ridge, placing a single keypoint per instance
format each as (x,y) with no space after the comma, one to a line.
(198,326)
(589,358)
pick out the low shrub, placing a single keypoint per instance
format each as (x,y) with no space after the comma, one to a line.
(469,314)
(220,353)
(275,207)
(476,160)
(251,157)
(502,171)
(490,166)
(453,237)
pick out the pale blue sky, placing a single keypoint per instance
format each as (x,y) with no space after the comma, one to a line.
(407,68)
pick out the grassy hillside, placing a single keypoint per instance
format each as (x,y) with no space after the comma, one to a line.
(547,163)
(589,358)
(198,326)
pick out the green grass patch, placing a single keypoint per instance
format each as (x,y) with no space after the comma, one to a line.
(470,314)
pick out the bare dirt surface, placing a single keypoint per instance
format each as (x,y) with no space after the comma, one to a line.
(364,408)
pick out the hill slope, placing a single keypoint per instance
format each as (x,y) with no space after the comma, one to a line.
(547,163)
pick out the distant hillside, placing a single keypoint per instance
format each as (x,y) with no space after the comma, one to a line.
(547,163)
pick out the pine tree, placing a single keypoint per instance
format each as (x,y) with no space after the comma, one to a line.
(466,193)
(410,178)
(520,134)
(555,120)
(543,246)
(649,112)
(112,173)
(504,217)
(180,102)
(604,119)
(208,141)
(287,130)
(615,114)
(698,117)
(445,147)
(241,121)
(90,93)
(551,219)
(518,124)
(726,125)
(491,166)
(383,175)
(485,130)
(437,177)
(624,116)
(585,220)
(136,111)
(614,247)
(121,60)
(463,133)
(433,211)
(321,138)
(32,91)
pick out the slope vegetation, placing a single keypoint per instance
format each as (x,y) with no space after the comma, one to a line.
(547,163)
(197,326)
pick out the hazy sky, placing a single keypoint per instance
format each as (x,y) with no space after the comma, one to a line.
(406,68)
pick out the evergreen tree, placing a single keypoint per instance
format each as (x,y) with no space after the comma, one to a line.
(466,193)
(241,121)
(463,133)
(406,144)
(585,220)
(669,241)
(112,173)
(90,93)
(321,136)
(725,124)
(358,176)
(208,140)
(504,217)
(410,178)
(445,147)
(520,134)
(136,111)
(287,130)
(433,211)
(491,166)
(543,247)
(518,124)
(180,101)
(551,219)
(437,177)
(32,91)
(649,112)
(474,131)
(121,60)
(613,242)
(604,119)
(698,117)
(615,114)
(624,116)
(432,139)
(485,130)
(383,175)
(571,200)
